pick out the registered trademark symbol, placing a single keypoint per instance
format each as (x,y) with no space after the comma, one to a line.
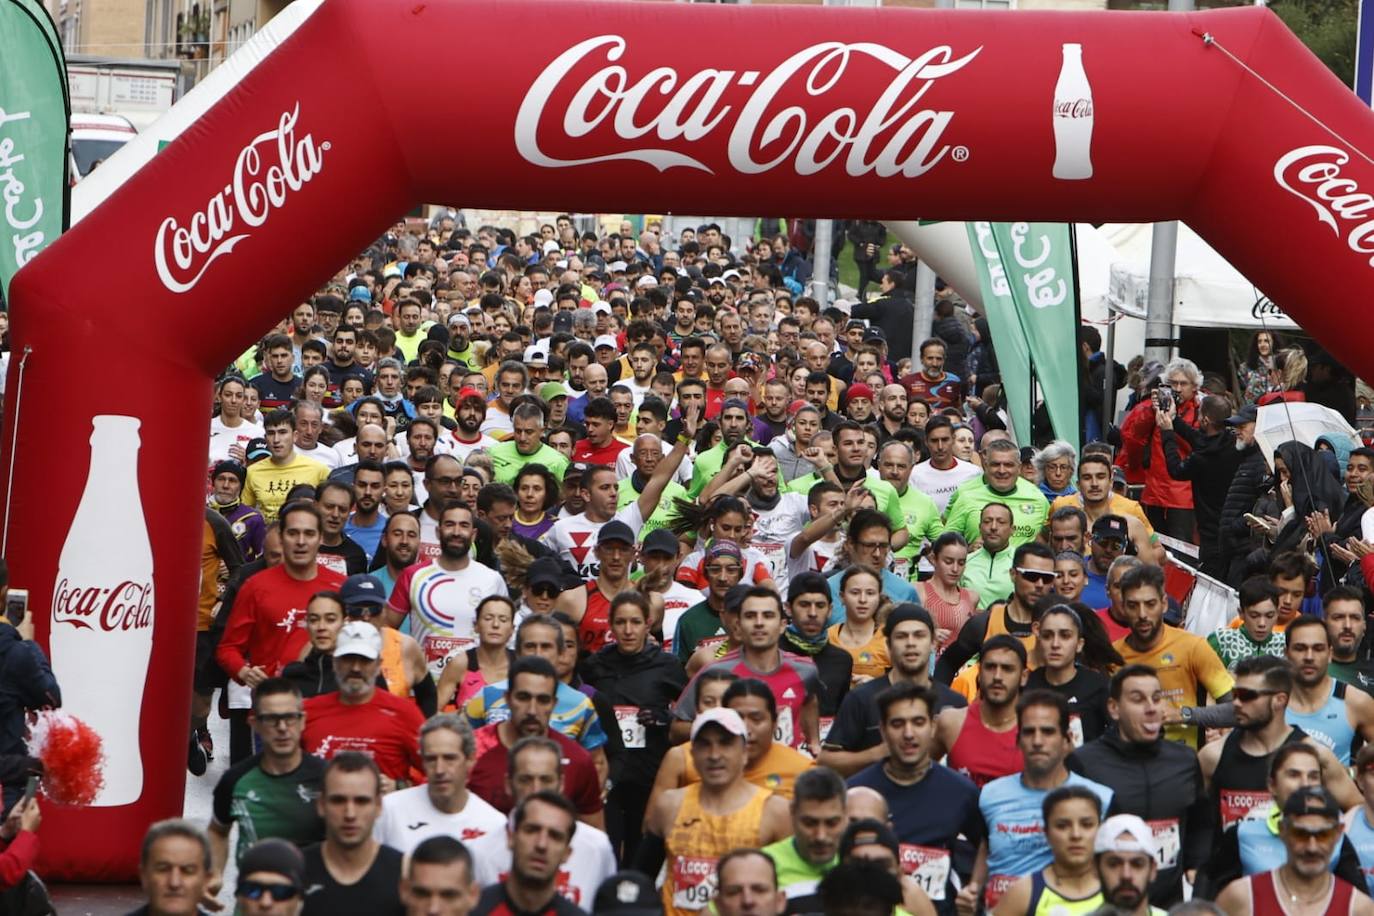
(325,145)
(960,153)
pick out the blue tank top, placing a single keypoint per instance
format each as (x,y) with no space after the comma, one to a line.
(1328,724)
(1261,849)
(1361,836)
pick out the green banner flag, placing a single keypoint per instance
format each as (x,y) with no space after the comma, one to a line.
(1008,337)
(34,118)
(1026,274)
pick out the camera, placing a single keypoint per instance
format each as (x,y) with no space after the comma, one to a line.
(1164,397)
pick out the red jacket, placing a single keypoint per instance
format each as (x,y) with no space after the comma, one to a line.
(1138,431)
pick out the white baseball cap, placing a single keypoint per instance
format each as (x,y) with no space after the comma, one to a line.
(1125,833)
(359,638)
(543,297)
(726,718)
(534,356)
(605,340)
(646,281)
(617,266)
(601,307)
(551,246)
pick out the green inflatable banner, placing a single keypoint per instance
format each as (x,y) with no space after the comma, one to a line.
(35,113)
(1027,278)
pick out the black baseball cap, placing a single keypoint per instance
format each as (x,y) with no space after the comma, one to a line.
(660,540)
(627,893)
(544,571)
(1247,414)
(615,530)
(1111,526)
(1312,800)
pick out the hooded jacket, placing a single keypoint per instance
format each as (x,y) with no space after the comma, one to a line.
(1210,468)
(26,683)
(651,680)
(1158,781)
(1246,486)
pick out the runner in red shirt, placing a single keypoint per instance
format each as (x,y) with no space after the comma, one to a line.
(530,693)
(266,628)
(793,680)
(358,716)
(980,739)
(589,606)
(601,446)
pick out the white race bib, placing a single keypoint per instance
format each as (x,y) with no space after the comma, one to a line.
(694,882)
(929,866)
(631,729)
(1168,840)
(784,731)
(440,650)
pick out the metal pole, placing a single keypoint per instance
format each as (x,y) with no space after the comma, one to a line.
(1159,315)
(1109,396)
(925,307)
(820,269)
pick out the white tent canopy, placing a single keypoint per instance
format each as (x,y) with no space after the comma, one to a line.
(1114,267)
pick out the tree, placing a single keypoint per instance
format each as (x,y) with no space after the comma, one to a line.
(1328,28)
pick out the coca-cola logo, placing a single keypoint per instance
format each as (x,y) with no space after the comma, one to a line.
(126,606)
(183,253)
(895,134)
(1074,108)
(1313,174)
(1265,308)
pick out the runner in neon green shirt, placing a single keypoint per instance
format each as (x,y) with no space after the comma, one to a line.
(1001,483)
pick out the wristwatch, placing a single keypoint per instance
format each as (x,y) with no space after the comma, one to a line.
(1186,714)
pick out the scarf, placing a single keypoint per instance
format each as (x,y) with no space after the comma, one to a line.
(806,645)
(224,508)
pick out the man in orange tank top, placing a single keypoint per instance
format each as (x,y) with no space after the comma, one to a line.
(403,661)
(689,829)
(980,739)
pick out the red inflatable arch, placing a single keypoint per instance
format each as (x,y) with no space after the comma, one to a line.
(597,106)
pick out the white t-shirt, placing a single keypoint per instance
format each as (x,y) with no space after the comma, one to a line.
(221,437)
(818,557)
(442,445)
(442,607)
(590,861)
(409,818)
(324,454)
(774,530)
(625,466)
(461,450)
(573,538)
(497,421)
(348,451)
(676,600)
(940,485)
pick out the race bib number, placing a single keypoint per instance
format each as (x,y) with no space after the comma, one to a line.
(901,567)
(711,642)
(1237,806)
(694,882)
(1168,840)
(928,866)
(784,731)
(1076,731)
(997,887)
(631,729)
(775,554)
(440,650)
(826,723)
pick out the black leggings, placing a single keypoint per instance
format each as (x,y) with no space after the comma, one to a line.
(625,819)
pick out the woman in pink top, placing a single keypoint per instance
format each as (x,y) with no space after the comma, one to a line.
(949,604)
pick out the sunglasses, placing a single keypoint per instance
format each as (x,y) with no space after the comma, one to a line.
(1035,575)
(1320,834)
(254,890)
(1246,694)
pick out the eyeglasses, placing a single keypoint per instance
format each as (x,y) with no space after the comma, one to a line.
(363,610)
(253,890)
(445,481)
(1320,834)
(273,719)
(1110,543)
(1035,575)
(873,545)
(1246,694)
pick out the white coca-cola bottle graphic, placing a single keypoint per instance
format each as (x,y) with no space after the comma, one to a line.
(102,607)
(1073,118)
